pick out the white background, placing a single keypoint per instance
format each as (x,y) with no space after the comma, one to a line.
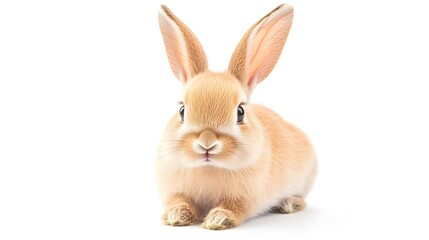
(86,90)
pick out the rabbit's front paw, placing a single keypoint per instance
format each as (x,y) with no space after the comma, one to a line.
(180,215)
(219,219)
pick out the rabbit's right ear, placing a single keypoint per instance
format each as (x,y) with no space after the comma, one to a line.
(185,53)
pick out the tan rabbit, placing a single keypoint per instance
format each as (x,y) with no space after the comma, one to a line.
(222,160)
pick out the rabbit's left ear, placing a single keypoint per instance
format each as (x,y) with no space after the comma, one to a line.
(261,46)
(185,53)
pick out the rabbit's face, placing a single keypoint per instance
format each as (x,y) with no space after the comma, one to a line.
(214,125)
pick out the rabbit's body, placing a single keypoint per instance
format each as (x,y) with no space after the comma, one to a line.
(221,157)
(289,172)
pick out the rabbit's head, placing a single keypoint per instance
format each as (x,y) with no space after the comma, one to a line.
(214,125)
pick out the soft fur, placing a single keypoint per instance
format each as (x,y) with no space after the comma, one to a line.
(261,164)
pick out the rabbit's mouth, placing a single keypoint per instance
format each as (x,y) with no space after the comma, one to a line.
(207,156)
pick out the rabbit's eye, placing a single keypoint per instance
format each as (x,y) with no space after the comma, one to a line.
(240,114)
(182,112)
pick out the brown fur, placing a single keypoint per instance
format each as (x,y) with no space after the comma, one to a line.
(209,166)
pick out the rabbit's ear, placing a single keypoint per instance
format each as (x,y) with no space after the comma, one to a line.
(261,46)
(185,53)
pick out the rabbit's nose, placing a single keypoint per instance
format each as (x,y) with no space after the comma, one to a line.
(207,146)
(207,142)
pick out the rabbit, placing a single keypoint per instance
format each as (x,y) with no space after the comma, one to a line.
(222,160)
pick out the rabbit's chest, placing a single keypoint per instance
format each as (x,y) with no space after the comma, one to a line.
(208,186)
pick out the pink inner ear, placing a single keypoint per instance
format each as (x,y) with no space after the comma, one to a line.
(176,60)
(173,47)
(266,43)
(185,53)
